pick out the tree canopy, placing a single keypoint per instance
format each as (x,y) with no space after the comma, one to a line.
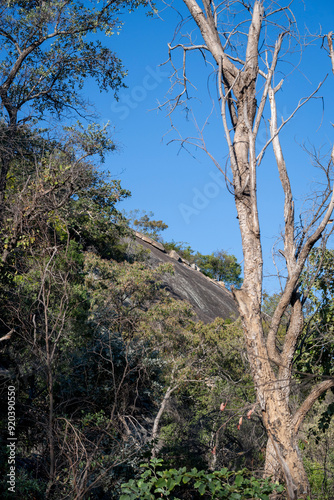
(49,49)
(103,373)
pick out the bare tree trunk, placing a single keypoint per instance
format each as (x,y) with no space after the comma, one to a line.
(241,115)
(275,411)
(51,434)
(155,429)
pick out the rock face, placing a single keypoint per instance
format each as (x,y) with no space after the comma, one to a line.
(149,240)
(174,255)
(209,298)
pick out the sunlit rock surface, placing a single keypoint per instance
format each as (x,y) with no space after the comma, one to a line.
(209,298)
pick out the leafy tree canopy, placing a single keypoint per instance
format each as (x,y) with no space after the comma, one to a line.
(143,222)
(47,54)
(221,266)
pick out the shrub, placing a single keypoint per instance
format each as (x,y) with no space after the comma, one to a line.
(183,484)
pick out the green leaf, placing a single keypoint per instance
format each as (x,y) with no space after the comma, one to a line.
(162,482)
(178,479)
(170,484)
(238,481)
(235,496)
(202,488)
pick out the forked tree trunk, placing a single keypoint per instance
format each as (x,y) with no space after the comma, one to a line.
(282,446)
(271,395)
(237,85)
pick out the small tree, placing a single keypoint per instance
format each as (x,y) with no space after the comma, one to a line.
(243,42)
(143,221)
(221,266)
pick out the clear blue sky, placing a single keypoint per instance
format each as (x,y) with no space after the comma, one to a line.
(186,192)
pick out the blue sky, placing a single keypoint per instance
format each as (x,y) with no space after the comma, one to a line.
(186,191)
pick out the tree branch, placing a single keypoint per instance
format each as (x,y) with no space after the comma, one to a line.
(331,51)
(316,392)
(211,39)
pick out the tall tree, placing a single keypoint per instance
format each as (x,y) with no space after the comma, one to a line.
(49,48)
(243,41)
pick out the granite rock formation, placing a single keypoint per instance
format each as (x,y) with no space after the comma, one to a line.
(209,298)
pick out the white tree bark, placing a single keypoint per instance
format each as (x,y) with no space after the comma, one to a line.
(271,368)
(155,429)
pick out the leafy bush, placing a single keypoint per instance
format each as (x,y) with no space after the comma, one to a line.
(194,484)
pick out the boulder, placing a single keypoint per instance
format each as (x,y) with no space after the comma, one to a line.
(149,240)
(174,255)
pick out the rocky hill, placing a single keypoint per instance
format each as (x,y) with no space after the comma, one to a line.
(209,298)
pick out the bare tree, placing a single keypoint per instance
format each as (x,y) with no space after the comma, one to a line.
(243,42)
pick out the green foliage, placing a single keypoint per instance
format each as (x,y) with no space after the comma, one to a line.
(207,364)
(177,484)
(321,486)
(321,269)
(316,350)
(220,266)
(143,222)
(25,487)
(60,192)
(326,417)
(56,54)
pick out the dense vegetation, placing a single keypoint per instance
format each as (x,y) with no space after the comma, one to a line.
(94,349)
(109,372)
(108,369)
